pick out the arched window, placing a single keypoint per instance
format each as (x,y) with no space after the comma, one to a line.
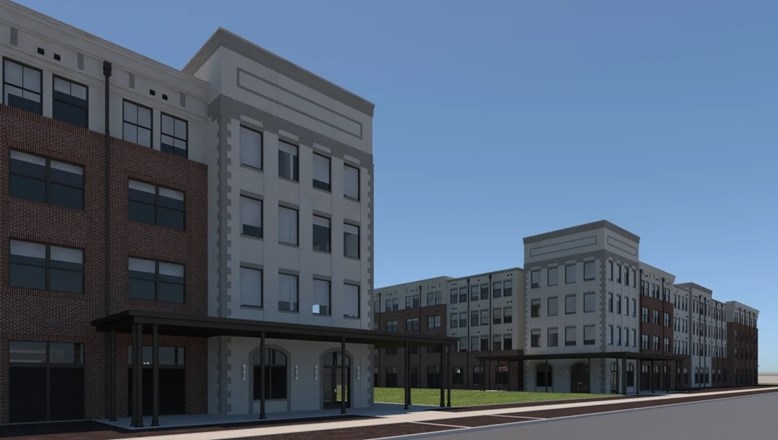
(275,374)
(544,375)
(457,375)
(478,375)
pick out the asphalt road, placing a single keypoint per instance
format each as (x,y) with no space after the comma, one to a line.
(739,418)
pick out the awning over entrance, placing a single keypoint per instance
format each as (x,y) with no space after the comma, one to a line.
(208,326)
(136,322)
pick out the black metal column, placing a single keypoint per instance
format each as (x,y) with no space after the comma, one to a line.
(343,383)
(137,371)
(111,374)
(442,383)
(653,373)
(406,380)
(448,375)
(624,374)
(546,374)
(262,376)
(155,374)
(638,375)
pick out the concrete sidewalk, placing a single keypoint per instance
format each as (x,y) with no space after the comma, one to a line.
(446,419)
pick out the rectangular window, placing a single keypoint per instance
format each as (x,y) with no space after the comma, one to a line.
(474,343)
(454,321)
(351,182)
(626,276)
(634,337)
(610,302)
(321,172)
(321,297)
(497,316)
(618,304)
(136,126)
(350,240)
(412,325)
(497,289)
(46,180)
(485,291)
(485,317)
(321,234)
(45,267)
(667,319)
(496,342)
(433,322)
(588,335)
(155,205)
(391,326)
(70,102)
(251,148)
(507,288)
(22,87)
(462,319)
(553,337)
(535,308)
(643,314)
(610,335)
(618,273)
(589,270)
(507,342)
(288,297)
(453,296)
(474,318)
(430,298)
(655,315)
(173,135)
(618,332)
(155,280)
(589,303)
(570,336)
(507,315)
(251,216)
(553,276)
(474,293)
(569,304)
(534,279)
(610,270)
(250,287)
(288,225)
(288,161)
(463,294)
(553,306)
(570,273)
(535,337)
(484,343)
(351,301)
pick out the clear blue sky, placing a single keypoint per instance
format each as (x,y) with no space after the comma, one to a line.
(498,120)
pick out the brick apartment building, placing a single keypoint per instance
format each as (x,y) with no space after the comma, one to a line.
(589,317)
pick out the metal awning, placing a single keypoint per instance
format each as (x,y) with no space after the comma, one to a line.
(584,355)
(209,326)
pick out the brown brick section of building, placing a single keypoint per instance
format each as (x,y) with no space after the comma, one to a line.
(665,375)
(36,315)
(467,371)
(742,354)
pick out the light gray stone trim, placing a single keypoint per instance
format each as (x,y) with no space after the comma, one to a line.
(251,195)
(239,45)
(227,108)
(323,278)
(289,272)
(581,228)
(253,266)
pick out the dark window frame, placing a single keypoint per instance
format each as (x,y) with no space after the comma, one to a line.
(261,227)
(318,184)
(6,83)
(69,101)
(272,370)
(157,206)
(328,249)
(345,240)
(47,180)
(294,162)
(172,149)
(47,267)
(157,280)
(137,125)
(359,183)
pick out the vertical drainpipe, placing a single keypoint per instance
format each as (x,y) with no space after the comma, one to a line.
(110,376)
(491,334)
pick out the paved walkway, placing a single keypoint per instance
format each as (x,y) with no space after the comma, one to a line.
(387,421)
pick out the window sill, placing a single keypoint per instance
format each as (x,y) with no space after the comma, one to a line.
(297,182)
(326,191)
(351,199)
(251,167)
(323,252)
(251,307)
(252,237)
(290,245)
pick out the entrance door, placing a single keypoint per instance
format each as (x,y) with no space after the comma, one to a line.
(579,378)
(614,378)
(172,393)
(332,385)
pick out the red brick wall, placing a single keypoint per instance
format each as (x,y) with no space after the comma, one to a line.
(650,329)
(27,314)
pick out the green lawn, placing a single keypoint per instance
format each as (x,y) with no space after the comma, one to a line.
(425,396)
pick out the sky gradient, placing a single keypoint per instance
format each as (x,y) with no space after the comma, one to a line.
(499,120)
